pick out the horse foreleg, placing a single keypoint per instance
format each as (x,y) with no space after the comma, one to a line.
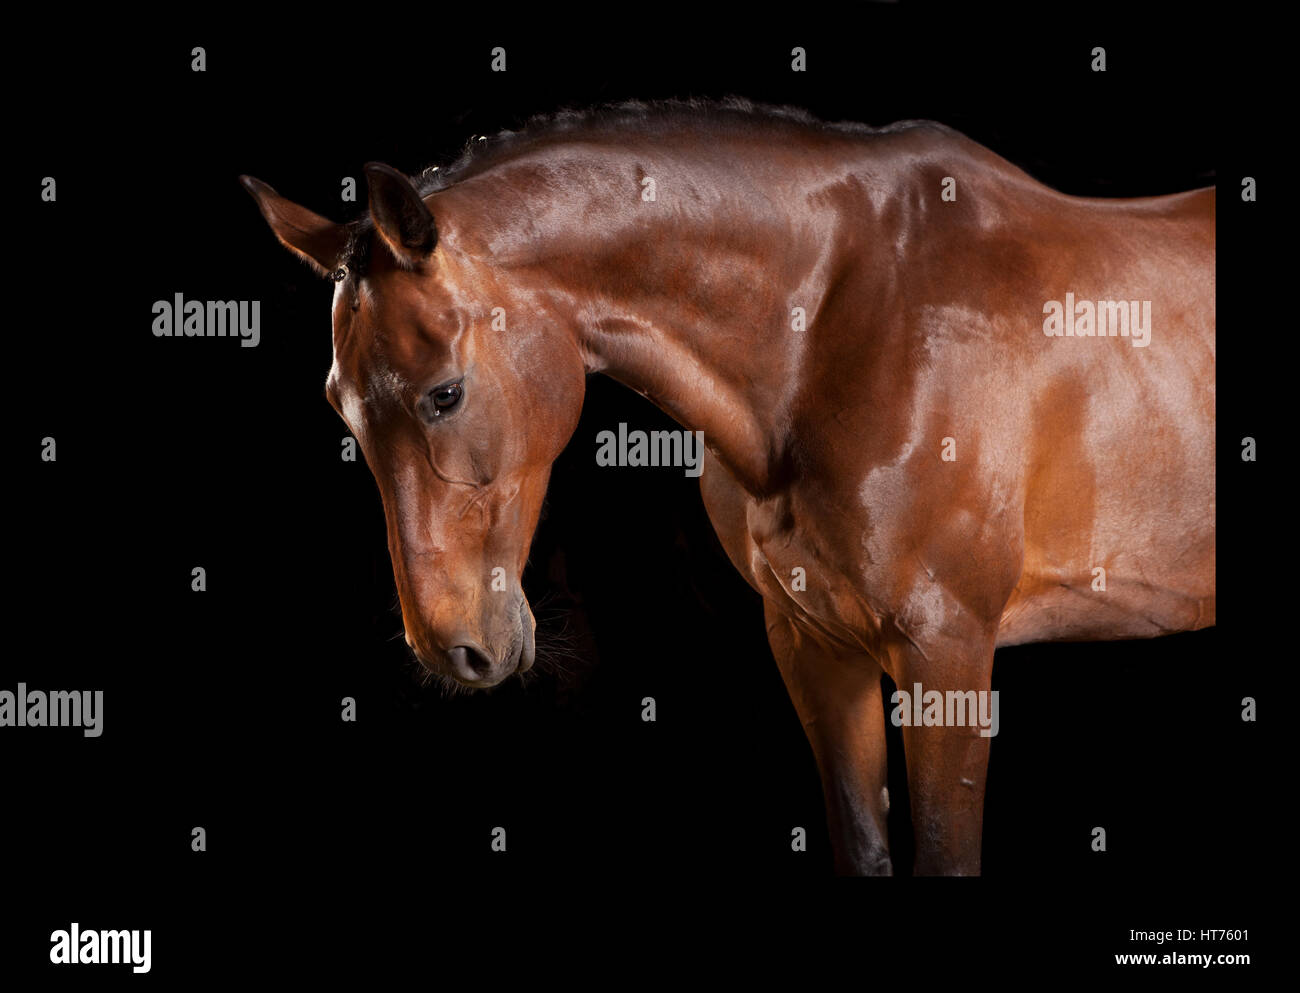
(947,764)
(837,697)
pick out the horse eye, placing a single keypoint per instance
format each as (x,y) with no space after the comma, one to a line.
(446,397)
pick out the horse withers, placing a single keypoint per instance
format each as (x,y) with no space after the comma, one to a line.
(945,407)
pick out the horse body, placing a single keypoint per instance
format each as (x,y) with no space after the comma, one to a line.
(900,461)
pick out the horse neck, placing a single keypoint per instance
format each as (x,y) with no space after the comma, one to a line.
(688,299)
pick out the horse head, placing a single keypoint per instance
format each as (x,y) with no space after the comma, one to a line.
(460,395)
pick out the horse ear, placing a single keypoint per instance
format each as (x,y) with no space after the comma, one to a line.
(400,216)
(317,239)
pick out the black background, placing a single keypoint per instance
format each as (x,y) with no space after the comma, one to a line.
(333,844)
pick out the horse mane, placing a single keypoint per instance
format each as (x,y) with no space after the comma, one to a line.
(481,152)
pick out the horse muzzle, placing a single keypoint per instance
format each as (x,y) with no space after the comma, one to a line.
(471,663)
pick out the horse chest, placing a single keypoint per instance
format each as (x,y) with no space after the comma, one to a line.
(786,559)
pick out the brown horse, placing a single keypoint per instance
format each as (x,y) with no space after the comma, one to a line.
(945,407)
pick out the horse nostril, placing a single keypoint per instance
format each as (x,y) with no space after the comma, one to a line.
(468,661)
